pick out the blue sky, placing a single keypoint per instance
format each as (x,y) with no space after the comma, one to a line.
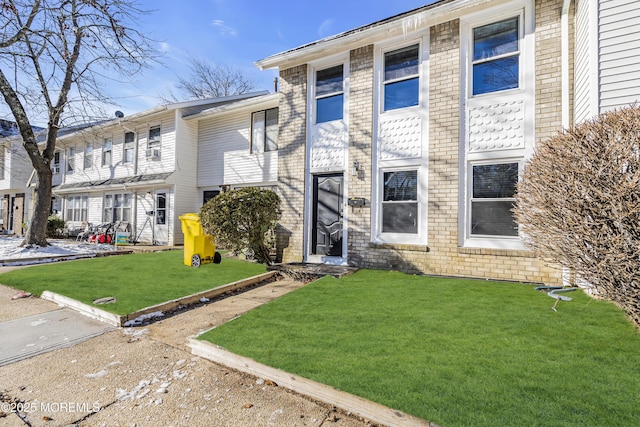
(238,33)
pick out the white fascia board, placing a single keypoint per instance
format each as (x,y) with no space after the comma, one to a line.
(441,11)
(261,102)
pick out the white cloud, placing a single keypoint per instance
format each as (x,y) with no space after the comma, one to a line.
(165,47)
(223,29)
(325,28)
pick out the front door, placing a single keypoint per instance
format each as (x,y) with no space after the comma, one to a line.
(327,215)
(160,219)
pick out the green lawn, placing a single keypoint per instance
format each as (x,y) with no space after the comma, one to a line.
(454,352)
(137,281)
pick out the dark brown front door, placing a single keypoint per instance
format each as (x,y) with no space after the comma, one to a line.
(327,215)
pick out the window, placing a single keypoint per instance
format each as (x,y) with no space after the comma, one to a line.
(208,195)
(329,94)
(71,161)
(401,78)
(496,56)
(88,155)
(107,151)
(56,163)
(129,147)
(161,208)
(400,202)
(77,208)
(264,130)
(117,207)
(154,137)
(492,199)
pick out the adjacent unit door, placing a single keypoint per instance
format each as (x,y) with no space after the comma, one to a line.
(160,220)
(327,215)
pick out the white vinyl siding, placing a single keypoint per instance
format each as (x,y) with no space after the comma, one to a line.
(224,157)
(619,27)
(582,62)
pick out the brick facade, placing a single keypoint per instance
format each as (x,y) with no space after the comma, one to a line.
(443,254)
(291,162)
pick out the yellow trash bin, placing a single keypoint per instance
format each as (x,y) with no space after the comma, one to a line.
(199,248)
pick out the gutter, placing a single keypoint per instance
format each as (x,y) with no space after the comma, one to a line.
(381,28)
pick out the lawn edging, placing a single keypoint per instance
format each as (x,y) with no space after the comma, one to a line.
(120,320)
(347,402)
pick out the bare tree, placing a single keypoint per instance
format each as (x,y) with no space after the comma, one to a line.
(54,54)
(207,80)
(579,204)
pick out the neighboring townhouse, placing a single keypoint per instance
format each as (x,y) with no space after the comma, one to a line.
(140,170)
(15,170)
(607,56)
(237,145)
(401,142)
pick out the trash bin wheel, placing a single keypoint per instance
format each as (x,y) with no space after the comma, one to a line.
(217,258)
(195,260)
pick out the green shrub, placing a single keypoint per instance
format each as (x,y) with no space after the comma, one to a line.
(243,220)
(55,227)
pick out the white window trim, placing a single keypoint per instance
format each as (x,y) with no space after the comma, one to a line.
(254,148)
(70,161)
(420,238)
(489,242)
(131,147)
(86,157)
(420,164)
(526,91)
(423,68)
(524,10)
(154,143)
(104,151)
(314,67)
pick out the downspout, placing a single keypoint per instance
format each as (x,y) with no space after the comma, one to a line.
(564,22)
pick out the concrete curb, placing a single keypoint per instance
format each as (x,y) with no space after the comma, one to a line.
(117,320)
(347,402)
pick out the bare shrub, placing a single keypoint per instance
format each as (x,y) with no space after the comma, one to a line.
(579,205)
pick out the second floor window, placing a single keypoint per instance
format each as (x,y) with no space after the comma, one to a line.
(154,137)
(329,94)
(496,56)
(71,161)
(88,155)
(401,78)
(264,130)
(107,151)
(129,147)
(55,168)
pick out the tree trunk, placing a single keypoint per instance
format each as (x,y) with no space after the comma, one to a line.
(37,232)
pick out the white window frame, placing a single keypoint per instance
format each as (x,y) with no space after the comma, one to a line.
(259,131)
(129,146)
(499,242)
(112,213)
(525,92)
(317,97)
(382,83)
(107,151)
(154,142)
(77,208)
(341,59)
(87,158)
(71,159)
(55,166)
(418,238)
